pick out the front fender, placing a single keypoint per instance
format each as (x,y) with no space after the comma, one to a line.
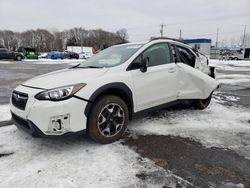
(105,89)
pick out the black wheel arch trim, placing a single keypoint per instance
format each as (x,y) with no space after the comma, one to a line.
(122,87)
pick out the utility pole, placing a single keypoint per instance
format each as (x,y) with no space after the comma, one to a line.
(161,30)
(81,40)
(180,34)
(217,38)
(244,37)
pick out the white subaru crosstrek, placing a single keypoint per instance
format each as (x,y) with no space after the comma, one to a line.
(101,94)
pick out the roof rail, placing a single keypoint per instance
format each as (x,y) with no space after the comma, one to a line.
(158,38)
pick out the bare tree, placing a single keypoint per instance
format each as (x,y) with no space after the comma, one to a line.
(44,40)
(122,34)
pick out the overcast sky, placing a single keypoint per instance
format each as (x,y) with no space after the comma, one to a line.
(142,18)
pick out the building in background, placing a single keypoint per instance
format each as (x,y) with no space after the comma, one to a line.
(202,45)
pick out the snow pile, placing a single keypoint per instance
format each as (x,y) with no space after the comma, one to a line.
(5,113)
(218,125)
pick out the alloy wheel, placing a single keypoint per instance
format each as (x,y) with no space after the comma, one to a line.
(111,120)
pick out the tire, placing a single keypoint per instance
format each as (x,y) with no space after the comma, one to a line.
(18,58)
(201,104)
(108,119)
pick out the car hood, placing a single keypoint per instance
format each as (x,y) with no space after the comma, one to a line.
(65,77)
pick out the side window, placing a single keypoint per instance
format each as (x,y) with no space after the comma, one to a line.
(158,54)
(186,56)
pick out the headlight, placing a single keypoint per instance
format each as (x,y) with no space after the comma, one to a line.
(60,93)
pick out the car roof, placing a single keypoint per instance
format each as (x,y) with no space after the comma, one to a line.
(159,39)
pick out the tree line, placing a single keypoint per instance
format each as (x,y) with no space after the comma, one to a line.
(45,41)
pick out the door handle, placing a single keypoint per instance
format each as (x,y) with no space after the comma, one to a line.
(171,70)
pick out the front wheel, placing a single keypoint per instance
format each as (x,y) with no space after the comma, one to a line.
(108,119)
(201,104)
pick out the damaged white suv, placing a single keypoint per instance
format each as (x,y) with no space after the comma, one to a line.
(101,94)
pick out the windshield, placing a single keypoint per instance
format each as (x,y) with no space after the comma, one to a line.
(111,57)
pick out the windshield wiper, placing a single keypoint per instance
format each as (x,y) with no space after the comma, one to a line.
(91,67)
(86,67)
(74,66)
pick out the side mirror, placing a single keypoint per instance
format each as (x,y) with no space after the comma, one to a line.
(144,66)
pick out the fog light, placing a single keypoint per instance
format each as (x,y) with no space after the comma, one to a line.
(59,125)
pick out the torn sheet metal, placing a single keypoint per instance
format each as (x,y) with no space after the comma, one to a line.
(194,84)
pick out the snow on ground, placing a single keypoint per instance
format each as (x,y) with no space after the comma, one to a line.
(218,125)
(5,113)
(233,79)
(48,61)
(76,162)
(236,67)
(72,162)
(221,63)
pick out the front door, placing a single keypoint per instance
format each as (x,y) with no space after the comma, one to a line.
(159,84)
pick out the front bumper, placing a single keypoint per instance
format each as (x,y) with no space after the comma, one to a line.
(48,118)
(31,128)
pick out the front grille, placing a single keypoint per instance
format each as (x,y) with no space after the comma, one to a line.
(19,99)
(20,121)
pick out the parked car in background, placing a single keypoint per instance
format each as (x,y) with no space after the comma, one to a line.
(29,53)
(85,55)
(71,55)
(8,54)
(55,55)
(103,93)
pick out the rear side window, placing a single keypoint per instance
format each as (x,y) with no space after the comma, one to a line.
(186,56)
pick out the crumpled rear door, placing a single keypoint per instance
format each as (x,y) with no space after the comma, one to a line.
(194,84)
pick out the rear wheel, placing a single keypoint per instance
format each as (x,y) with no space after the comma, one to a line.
(201,104)
(108,119)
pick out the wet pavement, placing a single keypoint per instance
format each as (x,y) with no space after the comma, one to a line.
(201,166)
